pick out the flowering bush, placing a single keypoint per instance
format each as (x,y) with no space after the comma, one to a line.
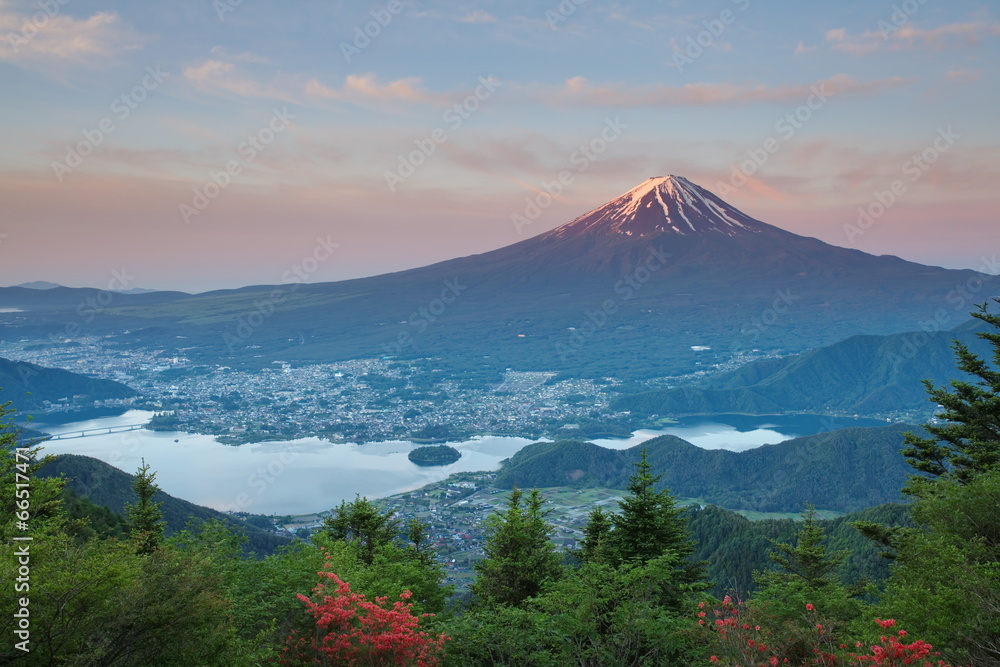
(739,637)
(351,630)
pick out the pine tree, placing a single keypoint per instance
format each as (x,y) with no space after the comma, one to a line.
(808,559)
(145,518)
(967,443)
(520,558)
(595,535)
(362,523)
(648,525)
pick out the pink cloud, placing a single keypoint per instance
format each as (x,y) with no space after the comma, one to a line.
(48,37)
(361,87)
(893,38)
(219,76)
(579,91)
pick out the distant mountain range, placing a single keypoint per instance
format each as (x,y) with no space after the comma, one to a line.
(27,386)
(44,285)
(638,287)
(845,470)
(860,375)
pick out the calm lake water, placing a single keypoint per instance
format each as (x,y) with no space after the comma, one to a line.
(310,475)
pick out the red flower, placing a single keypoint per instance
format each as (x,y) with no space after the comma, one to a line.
(809,607)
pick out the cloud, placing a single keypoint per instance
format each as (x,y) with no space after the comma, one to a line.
(366,87)
(218,76)
(801,49)
(48,36)
(963,75)
(905,37)
(477,16)
(246,57)
(579,91)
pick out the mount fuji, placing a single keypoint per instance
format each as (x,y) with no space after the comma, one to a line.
(665,279)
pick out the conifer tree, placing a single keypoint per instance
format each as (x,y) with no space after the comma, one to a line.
(967,442)
(145,518)
(595,535)
(362,523)
(650,524)
(808,560)
(520,558)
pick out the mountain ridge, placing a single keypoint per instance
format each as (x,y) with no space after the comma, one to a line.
(524,305)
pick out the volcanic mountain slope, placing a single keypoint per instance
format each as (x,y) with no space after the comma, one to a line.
(626,290)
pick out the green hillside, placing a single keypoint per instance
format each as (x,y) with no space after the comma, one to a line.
(105,485)
(27,386)
(845,470)
(859,375)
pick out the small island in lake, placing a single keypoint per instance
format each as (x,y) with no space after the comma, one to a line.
(437,455)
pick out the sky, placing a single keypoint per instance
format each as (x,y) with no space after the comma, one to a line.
(209,144)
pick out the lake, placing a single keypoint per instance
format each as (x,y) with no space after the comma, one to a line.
(310,475)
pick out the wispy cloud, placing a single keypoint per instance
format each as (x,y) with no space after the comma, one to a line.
(477,16)
(359,88)
(221,77)
(34,37)
(905,37)
(579,91)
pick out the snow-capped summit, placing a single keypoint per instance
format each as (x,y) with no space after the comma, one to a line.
(661,204)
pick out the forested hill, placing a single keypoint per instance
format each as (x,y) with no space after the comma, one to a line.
(844,470)
(105,485)
(735,546)
(862,374)
(27,385)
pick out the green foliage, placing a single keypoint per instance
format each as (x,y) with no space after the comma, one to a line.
(107,486)
(362,523)
(736,547)
(595,536)
(99,602)
(844,470)
(520,558)
(144,517)
(945,583)
(435,455)
(596,615)
(648,525)
(807,574)
(808,559)
(967,443)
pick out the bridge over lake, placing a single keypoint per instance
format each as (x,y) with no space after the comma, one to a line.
(104,430)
